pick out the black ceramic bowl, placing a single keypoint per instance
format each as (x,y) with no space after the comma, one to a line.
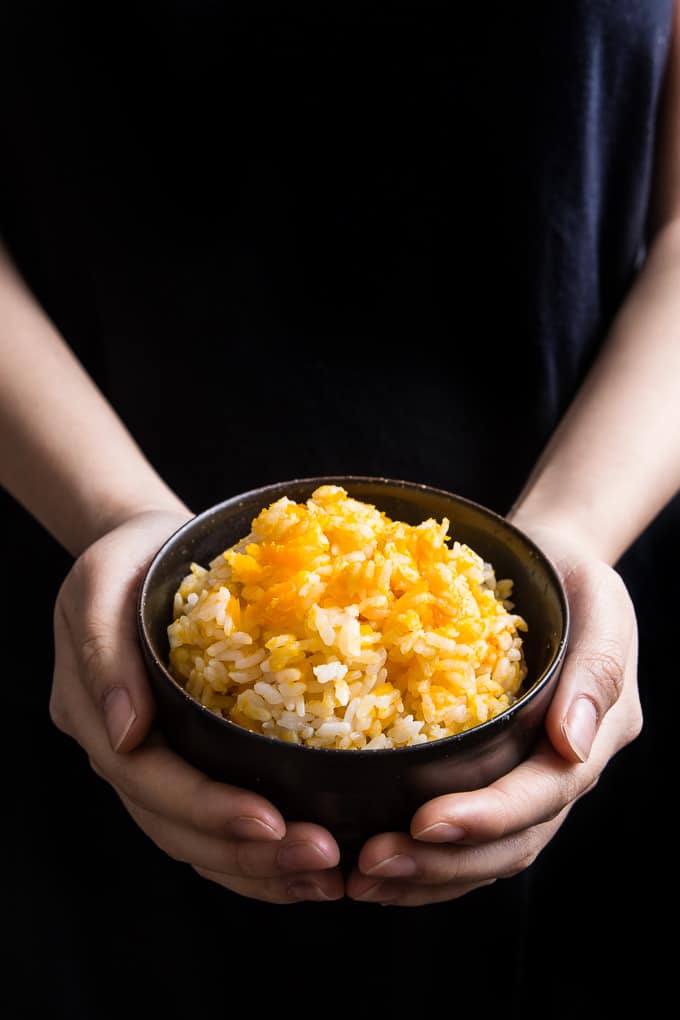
(357,793)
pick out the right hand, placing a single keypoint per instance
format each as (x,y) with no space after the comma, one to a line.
(101,698)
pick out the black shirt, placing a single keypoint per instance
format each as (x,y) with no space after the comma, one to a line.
(236,217)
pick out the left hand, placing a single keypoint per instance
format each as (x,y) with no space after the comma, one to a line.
(461,841)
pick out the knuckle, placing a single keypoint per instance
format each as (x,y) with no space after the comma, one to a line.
(449,870)
(95,767)
(618,586)
(274,890)
(200,871)
(83,568)
(94,651)
(591,785)
(557,806)
(531,853)
(198,813)
(68,598)
(173,852)
(96,654)
(61,601)
(605,668)
(77,586)
(568,789)
(547,793)
(513,872)
(76,612)
(246,861)
(635,725)
(74,616)
(266,890)
(591,578)
(527,850)
(129,783)
(584,579)
(504,809)
(170,844)
(58,713)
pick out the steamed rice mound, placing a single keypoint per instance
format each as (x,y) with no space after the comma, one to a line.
(334,626)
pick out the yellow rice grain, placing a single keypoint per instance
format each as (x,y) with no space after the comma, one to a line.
(335,626)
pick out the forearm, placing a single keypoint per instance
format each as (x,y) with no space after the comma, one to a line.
(64,453)
(614,461)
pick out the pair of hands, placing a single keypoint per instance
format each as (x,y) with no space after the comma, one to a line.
(457,843)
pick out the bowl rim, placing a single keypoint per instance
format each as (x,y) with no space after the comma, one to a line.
(472,735)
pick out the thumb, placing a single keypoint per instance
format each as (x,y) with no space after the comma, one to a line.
(99,611)
(602,641)
(113,673)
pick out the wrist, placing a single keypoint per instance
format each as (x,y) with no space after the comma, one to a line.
(111,512)
(572,528)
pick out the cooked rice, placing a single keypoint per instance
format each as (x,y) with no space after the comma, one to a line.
(334,626)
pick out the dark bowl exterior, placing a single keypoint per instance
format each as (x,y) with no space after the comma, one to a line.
(357,793)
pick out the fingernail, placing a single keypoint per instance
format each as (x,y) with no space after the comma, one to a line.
(441,832)
(119,715)
(307,891)
(247,827)
(399,866)
(580,727)
(301,857)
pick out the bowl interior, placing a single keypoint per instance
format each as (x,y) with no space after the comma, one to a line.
(537,592)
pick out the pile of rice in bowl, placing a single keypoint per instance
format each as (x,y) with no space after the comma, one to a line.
(332,625)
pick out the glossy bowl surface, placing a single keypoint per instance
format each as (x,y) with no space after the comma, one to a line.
(357,793)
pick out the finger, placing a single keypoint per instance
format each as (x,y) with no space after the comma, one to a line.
(602,645)
(305,847)
(156,779)
(394,893)
(534,792)
(320,886)
(397,856)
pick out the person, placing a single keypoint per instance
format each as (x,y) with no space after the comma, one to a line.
(242,247)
